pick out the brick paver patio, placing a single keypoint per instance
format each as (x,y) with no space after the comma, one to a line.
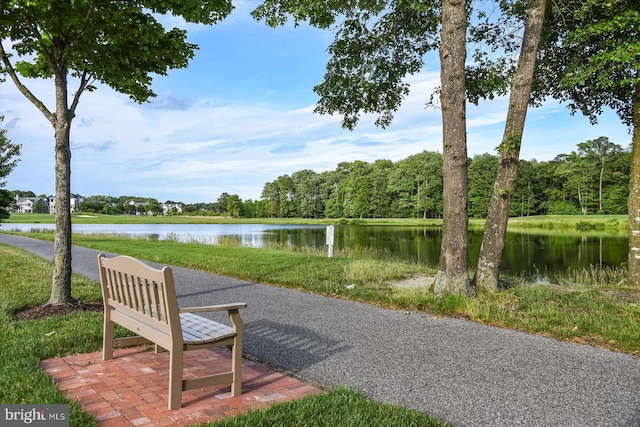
(131,389)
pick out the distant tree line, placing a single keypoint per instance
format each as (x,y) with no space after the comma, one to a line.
(593,179)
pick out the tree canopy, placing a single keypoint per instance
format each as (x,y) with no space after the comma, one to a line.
(119,44)
(590,56)
(377,45)
(85,42)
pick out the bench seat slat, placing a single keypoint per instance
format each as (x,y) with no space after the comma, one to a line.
(199,330)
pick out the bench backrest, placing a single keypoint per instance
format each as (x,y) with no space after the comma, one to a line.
(141,292)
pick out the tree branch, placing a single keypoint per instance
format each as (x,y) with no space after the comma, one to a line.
(46,52)
(22,88)
(85,81)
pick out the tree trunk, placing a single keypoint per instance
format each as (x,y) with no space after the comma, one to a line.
(61,281)
(488,269)
(634,196)
(583,205)
(600,184)
(453,267)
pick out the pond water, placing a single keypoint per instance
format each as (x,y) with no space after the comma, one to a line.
(527,253)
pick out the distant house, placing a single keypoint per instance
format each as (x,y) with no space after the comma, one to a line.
(167,208)
(171,208)
(28,204)
(75,200)
(136,204)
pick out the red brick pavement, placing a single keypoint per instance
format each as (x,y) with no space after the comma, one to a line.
(131,389)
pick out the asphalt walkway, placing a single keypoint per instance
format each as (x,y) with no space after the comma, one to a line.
(460,371)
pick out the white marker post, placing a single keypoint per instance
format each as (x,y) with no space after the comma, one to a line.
(330,232)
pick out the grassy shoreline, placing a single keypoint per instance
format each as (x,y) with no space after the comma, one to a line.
(548,222)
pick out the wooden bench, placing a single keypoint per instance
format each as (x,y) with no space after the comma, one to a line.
(143,300)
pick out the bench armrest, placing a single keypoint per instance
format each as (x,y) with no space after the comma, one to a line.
(219,307)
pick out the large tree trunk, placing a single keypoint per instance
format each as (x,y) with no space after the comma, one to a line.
(61,281)
(453,268)
(488,269)
(634,196)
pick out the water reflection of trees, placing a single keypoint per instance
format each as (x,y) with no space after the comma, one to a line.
(556,253)
(525,253)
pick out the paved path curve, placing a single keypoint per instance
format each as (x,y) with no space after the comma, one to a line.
(462,372)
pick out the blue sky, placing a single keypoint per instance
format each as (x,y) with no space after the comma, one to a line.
(242,114)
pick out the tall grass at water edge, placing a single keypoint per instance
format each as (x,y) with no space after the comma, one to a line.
(593,276)
(613,223)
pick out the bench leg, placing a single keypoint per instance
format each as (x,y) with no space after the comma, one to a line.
(236,361)
(175,378)
(107,340)
(236,352)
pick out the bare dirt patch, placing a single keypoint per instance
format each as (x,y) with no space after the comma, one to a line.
(47,310)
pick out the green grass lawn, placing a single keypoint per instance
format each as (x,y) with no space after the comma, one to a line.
(339,407)
(26,282)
